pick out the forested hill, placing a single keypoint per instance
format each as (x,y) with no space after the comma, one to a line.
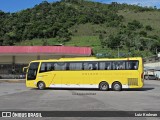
(104,27)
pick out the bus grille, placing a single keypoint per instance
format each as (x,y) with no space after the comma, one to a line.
(133,81)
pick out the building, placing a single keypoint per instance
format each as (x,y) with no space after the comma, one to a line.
(152,65)
(14,58)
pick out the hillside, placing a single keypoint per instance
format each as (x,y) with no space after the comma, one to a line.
(132,29)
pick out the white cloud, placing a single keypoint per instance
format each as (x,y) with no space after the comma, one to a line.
(141,2)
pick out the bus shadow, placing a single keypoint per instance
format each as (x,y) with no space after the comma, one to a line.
(91,89)
(79,89)
(139,89)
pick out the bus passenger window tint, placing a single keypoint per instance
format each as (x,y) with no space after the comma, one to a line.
(75,66)
(95,66)
(102,65)
(47,67)
(50,66)
(114,66)
(105,66)
(60,66)
(132,65)
(108,65)
(42,69)
(120,65)
(90,66)
(87,66)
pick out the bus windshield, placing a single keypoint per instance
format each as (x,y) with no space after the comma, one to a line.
(32,71)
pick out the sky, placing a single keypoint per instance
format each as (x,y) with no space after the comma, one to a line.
(17,5)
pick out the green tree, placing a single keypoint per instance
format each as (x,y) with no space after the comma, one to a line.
(134,25)
(149,28)
(44,42)
(143,33)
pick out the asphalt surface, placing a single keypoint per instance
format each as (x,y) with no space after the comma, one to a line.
(16,97)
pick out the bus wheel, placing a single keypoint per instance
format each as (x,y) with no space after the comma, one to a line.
(103,86)
(116,86)
(41,85)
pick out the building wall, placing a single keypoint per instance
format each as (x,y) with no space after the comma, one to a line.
(46,57)
(5,59)
(24,59)
(152,65)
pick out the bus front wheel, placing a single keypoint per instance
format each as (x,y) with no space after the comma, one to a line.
(116,86)
(41,85)
(103,86)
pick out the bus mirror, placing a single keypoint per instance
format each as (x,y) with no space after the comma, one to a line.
(25,69)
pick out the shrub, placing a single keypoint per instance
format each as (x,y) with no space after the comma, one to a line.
(149,28)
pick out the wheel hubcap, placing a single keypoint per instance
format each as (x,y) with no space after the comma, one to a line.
(41,85)
(104,86)
(117,86)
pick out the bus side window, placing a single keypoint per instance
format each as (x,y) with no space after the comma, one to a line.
(45,67)
(75,66)
(105,66)
(132,65)
(118,65)
(113,66)
(90,66)
(101,65)
(135,65)
(52,66)
(95,66)
(42,69)
(128,66)
(85,66)
(121,65)
(64,66)
(108,65)
(60,66)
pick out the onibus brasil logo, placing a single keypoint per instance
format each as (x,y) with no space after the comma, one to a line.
(21,114)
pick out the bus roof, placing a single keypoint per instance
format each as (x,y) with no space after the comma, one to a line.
(86,59)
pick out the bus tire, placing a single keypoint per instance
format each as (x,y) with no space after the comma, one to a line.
(117,86)
(41,85)
(103,86)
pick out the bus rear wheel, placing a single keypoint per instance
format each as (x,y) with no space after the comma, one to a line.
(103,86)
(116,86)
(41,85)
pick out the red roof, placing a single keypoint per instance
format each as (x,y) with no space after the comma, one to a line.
(45,49)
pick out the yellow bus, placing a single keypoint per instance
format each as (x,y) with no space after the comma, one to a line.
(86,72)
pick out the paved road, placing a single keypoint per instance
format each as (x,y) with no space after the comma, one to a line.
(15,96)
